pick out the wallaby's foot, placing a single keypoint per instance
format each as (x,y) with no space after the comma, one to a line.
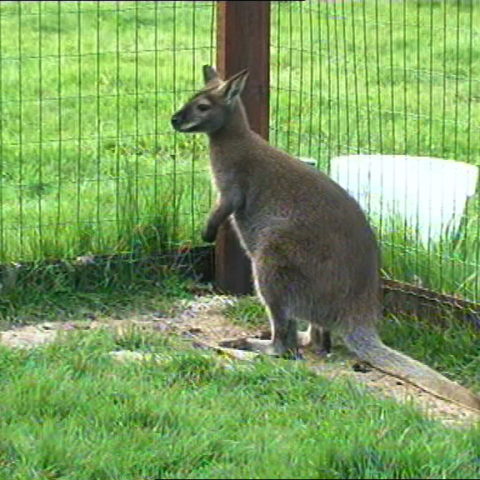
(322,342)
(323,349)
(304,338)
(266,347)
(320,349)
(318,338)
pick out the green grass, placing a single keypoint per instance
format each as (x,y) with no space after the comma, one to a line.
(449,265)
(89,161)
(68,411)
(111,296)
(246,311)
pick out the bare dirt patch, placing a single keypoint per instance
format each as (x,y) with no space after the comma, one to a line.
(203,321)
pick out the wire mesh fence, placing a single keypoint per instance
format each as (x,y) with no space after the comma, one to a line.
(394,78)
(89,163)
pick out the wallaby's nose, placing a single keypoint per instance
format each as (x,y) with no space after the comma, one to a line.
(176,119)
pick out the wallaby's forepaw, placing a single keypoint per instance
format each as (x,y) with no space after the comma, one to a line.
(209,235)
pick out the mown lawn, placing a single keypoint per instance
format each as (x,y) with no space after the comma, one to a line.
(69,411)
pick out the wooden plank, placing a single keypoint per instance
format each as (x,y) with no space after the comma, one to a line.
(404,298)
(243,33)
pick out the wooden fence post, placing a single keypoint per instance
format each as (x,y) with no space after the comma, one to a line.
(243,41)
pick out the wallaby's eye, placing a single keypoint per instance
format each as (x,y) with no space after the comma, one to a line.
(203,107)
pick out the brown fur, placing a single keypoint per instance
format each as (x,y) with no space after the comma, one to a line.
(314,255)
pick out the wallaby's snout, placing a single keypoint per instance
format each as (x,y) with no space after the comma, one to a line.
(185,120)
(177,120)
(196,116)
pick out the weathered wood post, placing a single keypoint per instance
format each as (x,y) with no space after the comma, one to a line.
(243,34)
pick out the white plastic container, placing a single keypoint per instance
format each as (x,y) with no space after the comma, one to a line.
(428,194)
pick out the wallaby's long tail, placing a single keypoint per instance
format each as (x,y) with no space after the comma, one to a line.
(367,345)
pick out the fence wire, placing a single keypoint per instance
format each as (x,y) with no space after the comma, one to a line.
(389,77)
(89,164)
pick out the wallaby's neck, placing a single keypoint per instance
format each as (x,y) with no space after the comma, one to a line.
(232,148)
(236,128)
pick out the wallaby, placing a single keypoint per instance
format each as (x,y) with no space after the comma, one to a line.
(314,255)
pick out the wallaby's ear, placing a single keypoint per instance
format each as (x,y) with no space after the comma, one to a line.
(209,73)
(233,87)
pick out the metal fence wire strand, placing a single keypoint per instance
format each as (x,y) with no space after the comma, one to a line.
(90,166)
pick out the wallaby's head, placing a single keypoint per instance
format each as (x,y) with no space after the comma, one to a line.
(211,107)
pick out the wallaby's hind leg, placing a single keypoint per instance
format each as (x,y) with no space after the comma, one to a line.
(321,341)
(284,334)
(274,288)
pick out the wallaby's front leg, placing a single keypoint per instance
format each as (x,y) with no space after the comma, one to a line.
(219,214)
(227,204)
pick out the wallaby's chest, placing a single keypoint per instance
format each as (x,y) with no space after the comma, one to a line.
(225,175)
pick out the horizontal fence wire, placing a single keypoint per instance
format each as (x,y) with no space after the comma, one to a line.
(388,77)
(89,162)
